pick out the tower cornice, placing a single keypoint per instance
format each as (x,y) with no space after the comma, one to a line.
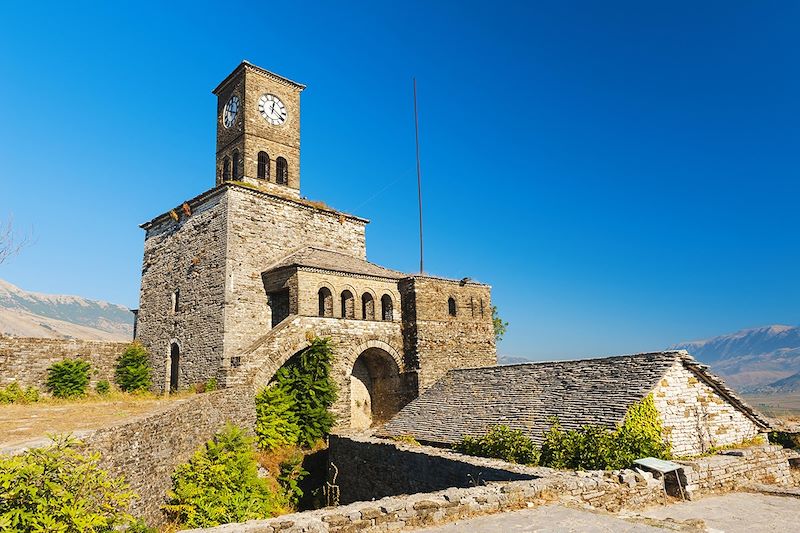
(246,65)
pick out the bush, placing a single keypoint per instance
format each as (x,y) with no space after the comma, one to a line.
(58,489)
(211,385)
(68,378)
(133,371)
(103,387)
(13,393)
(295,408)
(220,485)
(501,442)
(276,418)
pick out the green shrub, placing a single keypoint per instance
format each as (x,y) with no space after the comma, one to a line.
(220,485)
(68,378)
(291,473)
(211,385)
(103,387)
(133,371)
(13,393)
(276,418)
(58,489)
(501,442)
(295,408)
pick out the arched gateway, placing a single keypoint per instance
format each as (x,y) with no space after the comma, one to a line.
(375,388)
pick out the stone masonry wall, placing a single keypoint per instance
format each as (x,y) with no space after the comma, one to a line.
(26,360)
(312,281)
(186,255)
(438,341)
(732,469)
(261,230)
(695,417)
(146,450)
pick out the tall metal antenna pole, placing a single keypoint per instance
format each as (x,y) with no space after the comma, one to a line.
(419,178)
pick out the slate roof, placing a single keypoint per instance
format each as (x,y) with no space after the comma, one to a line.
(323,259)
(525,396)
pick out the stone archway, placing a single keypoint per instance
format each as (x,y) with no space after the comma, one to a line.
(375,388)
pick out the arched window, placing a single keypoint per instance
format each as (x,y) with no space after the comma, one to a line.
(281,171)
(263,166)
(348,305)
(226,169)
(367,306)
(325,302)
(451,306)
(236,164)
(387,308)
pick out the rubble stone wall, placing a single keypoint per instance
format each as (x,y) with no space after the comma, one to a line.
(26,360)
(695,417)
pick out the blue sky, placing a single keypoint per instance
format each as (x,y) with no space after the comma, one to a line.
(624,174)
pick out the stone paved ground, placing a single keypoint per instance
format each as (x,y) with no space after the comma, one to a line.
(730,513)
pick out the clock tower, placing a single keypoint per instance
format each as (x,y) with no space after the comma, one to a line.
(258,129)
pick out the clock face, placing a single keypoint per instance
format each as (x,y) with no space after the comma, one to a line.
(230,111)
(272,109)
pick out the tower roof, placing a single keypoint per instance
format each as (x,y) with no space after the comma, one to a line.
(246,65)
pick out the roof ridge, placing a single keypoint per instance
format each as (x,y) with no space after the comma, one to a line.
(557,361)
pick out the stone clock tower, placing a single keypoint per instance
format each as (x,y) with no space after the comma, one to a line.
(258,130)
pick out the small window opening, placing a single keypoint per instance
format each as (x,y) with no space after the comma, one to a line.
(176,300)
(325,302)
(226,169)
(451,306)
(281,171)
(367,306)
(236,164)
(263,166)
(348,305)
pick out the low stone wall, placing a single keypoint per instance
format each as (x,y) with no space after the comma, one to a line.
(732,469)
(603,490)
(146,450)
(367,468)
(26,360)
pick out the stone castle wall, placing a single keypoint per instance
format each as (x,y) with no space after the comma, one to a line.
(439,341)
(26,360)
(695,417)
(146,450)
(262,230)
(187,255)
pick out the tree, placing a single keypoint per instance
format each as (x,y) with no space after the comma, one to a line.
(500,326)
(10,242)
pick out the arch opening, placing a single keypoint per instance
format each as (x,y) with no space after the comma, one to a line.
(236,165)
(387,308)
(263,166)
(375,389)
(325,302)
(348,304)
(367,306)
(281,171)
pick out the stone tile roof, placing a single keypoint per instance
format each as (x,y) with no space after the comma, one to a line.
(525,396)
(323,259)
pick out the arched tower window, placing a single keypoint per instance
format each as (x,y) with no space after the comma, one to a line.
(348,305)
(236,164)
(451,306)
(263,166)
(325,302)
(226,169)
(387,308)
(281,171)
(367,306)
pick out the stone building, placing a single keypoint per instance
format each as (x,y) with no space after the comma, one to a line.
(236,280)
(697,410)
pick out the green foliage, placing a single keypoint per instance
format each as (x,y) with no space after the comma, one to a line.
(133,371)
(291,473)
(103,387)
(211,385)
(220,484)
(295,408)
(13,393)
(276,417)
(501,442)
(591,447)
(406,439)
(595,447)
(787,440)
(500,326)
(68,378)
(56,489)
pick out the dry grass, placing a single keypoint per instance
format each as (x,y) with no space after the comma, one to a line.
(20,423)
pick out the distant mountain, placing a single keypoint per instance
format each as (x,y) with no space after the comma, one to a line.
(32,314)
(512,360)
(752,358)
(782,386)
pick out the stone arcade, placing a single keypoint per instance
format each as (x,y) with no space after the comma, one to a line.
(237,279)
